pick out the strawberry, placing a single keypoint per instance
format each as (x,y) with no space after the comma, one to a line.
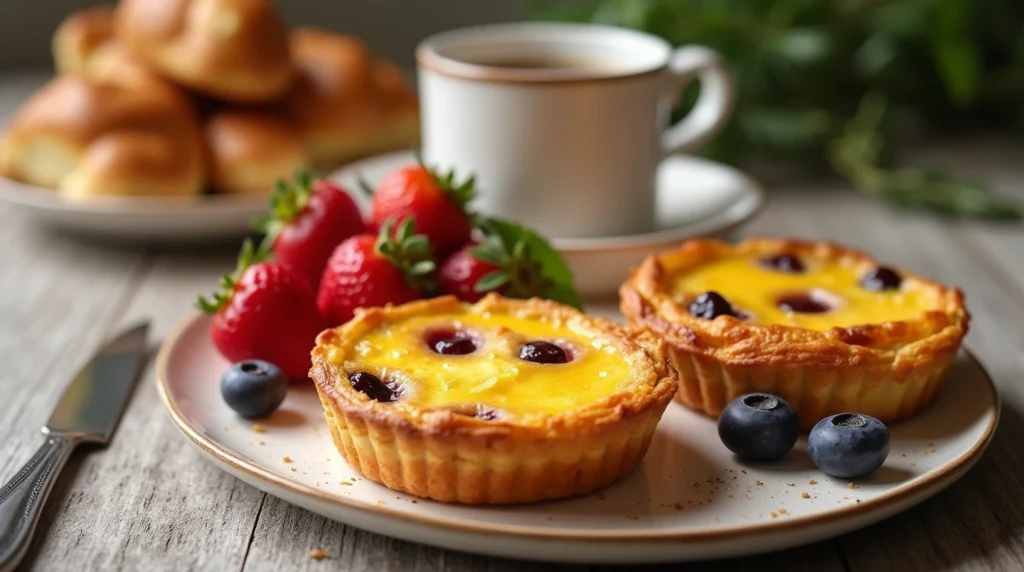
(368,270)
(265,310)
(307,219)
(437,202)
(462,271)
(512,260)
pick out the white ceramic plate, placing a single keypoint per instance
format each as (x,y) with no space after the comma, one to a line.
(689,499)
(138,219)
(696,197)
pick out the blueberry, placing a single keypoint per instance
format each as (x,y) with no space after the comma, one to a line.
(783,263)
(710,305)
(758,427)
(881,278)
(543,352)
(848,445)
(373,386)
(253,388)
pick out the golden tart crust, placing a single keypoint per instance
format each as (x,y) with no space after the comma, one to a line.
(886,369)
(443,452)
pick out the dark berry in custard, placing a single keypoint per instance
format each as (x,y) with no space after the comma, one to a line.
(783,263)
(543,352)
(451,343)
(372,386)
(848,445)
(758,427)
(881,278)
(803,304)
(710,305)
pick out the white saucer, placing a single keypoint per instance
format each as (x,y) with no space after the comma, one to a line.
(138,219)
(690,498)
(696,197)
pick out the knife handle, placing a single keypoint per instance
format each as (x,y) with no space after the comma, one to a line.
(22,499)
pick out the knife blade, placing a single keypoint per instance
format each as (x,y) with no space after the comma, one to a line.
(92,403)
(88,412)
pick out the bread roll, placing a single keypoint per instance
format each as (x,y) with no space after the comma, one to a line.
(250,151)
(347,103)
(235,50)
(80,35)
(112,136)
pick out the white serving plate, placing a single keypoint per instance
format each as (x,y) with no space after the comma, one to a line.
(138,219)
(696,197)
(690,498)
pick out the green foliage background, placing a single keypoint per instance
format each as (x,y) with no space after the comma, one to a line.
(841,82)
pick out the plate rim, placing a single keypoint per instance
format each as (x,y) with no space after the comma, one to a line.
(39,198)
(729,218)
(942,477)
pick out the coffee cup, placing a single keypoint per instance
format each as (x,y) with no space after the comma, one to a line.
(564,125)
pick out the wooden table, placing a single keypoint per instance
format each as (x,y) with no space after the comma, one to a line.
(149,502)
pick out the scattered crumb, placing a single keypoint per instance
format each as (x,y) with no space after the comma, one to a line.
(805,496)
(812,482)
(851,486)
(758,482)
(294,469)
(717,519)
(790,484)
(261,442)
(633,517)
(346,483)
(783,511)
(858,500)
(318,554)
(929,450)
(775,515)
(380,503)
(257,428)
(227,428)
(742,471)
(731,496)
(678,506)
(286,459)
(414,501)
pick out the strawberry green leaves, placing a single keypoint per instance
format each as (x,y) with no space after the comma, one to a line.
(248,256)
(410,252)
(528,265)
(286,202)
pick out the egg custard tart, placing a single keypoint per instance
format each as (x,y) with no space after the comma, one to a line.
(503,401)
(825,327)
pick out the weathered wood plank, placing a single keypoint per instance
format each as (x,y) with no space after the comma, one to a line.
(150,502)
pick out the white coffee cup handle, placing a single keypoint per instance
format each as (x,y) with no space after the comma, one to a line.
(713,107)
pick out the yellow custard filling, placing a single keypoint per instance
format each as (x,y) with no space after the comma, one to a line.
(493,375)
(756,290)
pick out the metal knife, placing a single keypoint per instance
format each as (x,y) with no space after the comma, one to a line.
(87,413)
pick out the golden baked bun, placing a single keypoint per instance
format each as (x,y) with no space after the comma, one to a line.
(235,50)
(88,136)
(85,44)
(347,103)
(79,37)
(251,150)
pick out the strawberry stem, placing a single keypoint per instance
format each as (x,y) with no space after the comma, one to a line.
(409,252)
(248,256)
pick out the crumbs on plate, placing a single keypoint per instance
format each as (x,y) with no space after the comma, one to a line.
(318,554)
(286,459)
(257,428)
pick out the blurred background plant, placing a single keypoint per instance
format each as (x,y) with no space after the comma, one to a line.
(842,83)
